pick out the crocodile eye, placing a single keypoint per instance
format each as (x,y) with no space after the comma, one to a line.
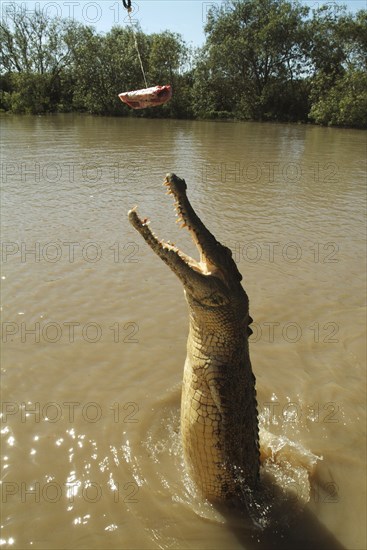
(215,299)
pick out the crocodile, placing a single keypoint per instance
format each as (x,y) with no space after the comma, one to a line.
(219,420)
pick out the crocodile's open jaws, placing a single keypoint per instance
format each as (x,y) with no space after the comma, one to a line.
(219,424)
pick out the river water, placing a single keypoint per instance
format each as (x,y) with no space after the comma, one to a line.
(94,329)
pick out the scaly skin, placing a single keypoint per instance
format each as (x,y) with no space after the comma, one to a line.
(219,425)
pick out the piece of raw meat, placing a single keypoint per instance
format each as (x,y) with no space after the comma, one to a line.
(148,97)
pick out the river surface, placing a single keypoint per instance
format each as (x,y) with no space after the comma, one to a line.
(94,330)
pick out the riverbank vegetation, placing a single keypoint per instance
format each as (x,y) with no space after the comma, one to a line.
(263,60)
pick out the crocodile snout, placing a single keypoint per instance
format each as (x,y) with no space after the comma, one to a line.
(176,184)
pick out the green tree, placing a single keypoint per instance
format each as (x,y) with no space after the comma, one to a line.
(344,103)
(339,59)
(167,54)
(35,53)
(253,47)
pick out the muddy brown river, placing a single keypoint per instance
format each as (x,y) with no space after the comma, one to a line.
(94,330)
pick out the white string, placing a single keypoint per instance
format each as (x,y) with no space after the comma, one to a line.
(137,48)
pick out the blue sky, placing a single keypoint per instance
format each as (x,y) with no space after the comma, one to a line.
(186,17)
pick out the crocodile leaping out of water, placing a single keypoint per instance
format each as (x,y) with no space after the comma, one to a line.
(219,422)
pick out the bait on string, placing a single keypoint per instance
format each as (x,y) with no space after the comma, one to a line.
(147,97)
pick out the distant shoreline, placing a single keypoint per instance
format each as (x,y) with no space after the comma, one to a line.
(226,120)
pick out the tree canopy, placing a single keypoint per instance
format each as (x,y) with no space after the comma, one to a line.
(274,60)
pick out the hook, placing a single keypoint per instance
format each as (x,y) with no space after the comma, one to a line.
(127,4)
